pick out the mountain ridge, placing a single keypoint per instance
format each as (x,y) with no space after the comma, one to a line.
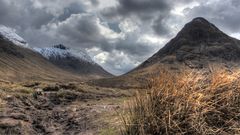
(74,61)
(10,35)
(63,51)
(20,62)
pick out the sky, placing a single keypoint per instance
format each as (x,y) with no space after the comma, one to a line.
(118,34)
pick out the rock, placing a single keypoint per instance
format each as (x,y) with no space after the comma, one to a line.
(19,116)
(51,88)
(9,98)
(30,85)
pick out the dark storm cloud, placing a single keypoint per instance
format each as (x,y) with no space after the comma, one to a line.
(22,14)
(95,2)
(4,12)
(130,46)
(148,11)
(140,8)
(28,19)
(160,27)
(83,30)
(25,14)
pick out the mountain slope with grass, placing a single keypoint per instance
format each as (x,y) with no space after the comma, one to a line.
(22,64)
(18,62)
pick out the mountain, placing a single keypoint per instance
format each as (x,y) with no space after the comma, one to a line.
(20,63)
(9,34)
(198,45)
(74,61)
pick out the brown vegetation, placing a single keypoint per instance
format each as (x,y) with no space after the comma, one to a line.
(191,102)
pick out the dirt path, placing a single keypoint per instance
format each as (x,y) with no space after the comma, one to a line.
(62,112)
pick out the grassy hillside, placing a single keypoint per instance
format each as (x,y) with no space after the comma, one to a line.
(20,64)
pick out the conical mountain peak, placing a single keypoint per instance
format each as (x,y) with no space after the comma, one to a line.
(199,29)
(198,42)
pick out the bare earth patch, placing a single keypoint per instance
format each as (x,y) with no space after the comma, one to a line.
(61,111)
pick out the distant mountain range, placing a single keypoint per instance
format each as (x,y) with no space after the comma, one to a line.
(19,62)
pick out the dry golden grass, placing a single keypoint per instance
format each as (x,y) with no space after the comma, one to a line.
(2,102)
(192,102)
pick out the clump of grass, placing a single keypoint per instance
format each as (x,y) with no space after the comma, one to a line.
(187,103)
(108,131)
(11,88)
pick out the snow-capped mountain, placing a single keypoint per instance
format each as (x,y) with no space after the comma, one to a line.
(18,63)
(60,51)
(10,35)
(74,61)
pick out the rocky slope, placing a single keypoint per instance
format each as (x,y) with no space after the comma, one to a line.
(74,61)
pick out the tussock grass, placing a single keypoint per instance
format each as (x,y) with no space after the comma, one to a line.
(191,102)
(14,88)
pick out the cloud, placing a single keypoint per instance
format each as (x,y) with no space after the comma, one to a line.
(88,31)
(151,14)
(160,26)
(224,14)
(85,31)
(95,2)
(140,8)
(22,14)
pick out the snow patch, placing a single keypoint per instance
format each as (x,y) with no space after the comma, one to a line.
(10,34)
(53,52)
